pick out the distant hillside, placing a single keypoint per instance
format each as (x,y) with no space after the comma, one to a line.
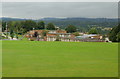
(82,22)
(12,19)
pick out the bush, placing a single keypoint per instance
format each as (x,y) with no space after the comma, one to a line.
(57,39)
(32,39)
(76,34)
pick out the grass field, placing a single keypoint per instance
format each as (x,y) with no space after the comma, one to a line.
(59,59)
(0,59)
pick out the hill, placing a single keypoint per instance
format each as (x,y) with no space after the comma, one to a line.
(82,22)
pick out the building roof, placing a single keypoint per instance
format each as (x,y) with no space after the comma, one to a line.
(60,33)
(87,36)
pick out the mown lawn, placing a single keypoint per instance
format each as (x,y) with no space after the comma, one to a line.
(59,59)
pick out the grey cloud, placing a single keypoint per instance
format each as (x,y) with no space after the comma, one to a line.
(37,10)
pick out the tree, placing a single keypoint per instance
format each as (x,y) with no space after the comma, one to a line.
(114,34)
(11,33)
(50,26)
(14,28)
(28,25)
(3,26)
(70,29)
(93,31)
(17,28)
(11,28)
(118,37)
(41,25)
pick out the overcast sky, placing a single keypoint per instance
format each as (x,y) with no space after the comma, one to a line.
(37,10)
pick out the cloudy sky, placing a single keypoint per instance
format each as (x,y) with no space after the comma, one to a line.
(37,10)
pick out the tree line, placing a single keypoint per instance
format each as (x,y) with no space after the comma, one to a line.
(22,27)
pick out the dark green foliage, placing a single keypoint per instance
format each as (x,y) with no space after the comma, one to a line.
(71,29)
(15,28)
(50,26)
(3,26)
(41,25)
(12,33)
(118,37)
(114,35)
(93,31)
(36,34)
(11,28)
(28,25)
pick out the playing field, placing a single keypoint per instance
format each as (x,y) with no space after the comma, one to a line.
(59,59)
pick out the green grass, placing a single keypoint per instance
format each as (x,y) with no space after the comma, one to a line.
(0,58)
(59,59)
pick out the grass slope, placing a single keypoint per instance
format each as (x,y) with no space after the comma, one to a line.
(59,59)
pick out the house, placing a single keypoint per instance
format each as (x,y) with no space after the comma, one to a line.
(59,36)
(57,31)
(31,35)
(90,38)
(62,35)
(51,35)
